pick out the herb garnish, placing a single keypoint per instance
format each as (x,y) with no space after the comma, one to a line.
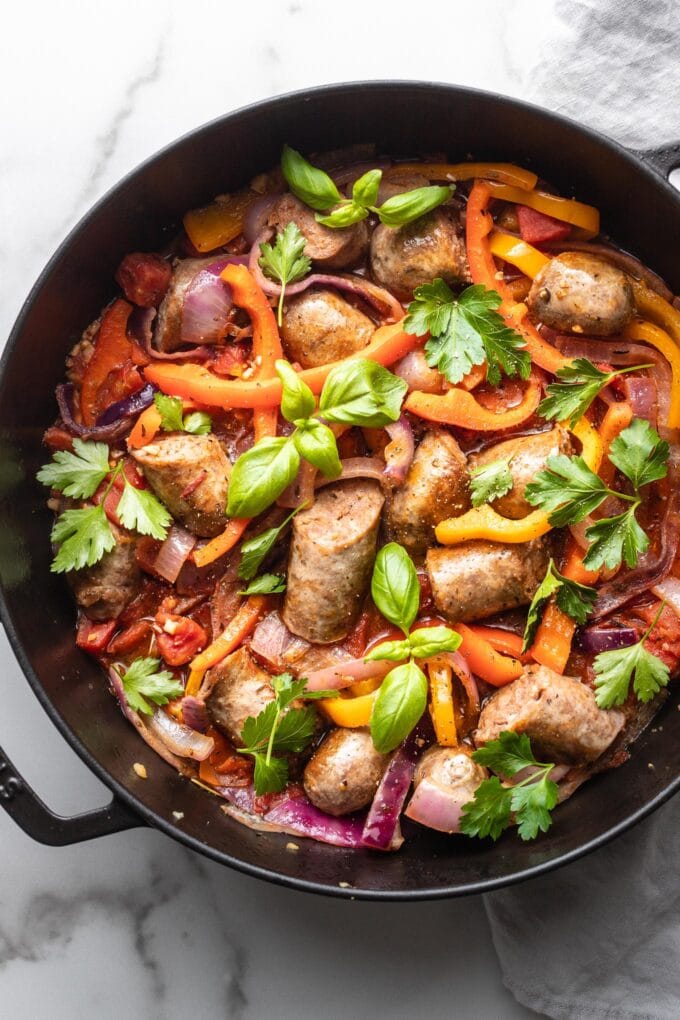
(173,419)
(490,481)
(285,261)
(615,669)
(144,682)
(582,381)
(574,599)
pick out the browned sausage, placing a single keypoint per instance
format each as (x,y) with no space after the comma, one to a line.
(436,487)
(326,246)
(190,474)
(404,258)
(319,326)
(105,589)
(241,689)
(398,185)
(344,772)
(331,558)
(144,278)
(581,293)
(477,579)
(559,714)
(445,779)
(526,455)
(168,325)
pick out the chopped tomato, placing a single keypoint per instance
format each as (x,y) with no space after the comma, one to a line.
(58,439)
(357,639)
(224,766)
(231,360)
(537,228)
(129,638)
(94,636)
(179,638)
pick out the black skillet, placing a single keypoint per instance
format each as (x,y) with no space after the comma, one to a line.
(639,209)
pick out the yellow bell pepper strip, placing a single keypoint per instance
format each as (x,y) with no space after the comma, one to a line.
(652,306)
(459,407)
(441,703)
(234,634)
(266,340)
(647,332)
(505,173)
(568,210)
(483,522)
(388,344)
(219,223)
(349,712)
(221,544)
(484,661)
(518,253)
(483,270)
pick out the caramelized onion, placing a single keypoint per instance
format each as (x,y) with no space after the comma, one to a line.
(356,467)
(174,553)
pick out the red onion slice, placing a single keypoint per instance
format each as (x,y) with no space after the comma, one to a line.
(154,742)
(207,303)
(399,452)
(195,714)
(180,739)
(294,816)
(668,590)
(174,553)
(106,433)
(255,218)
(344,674)
(437,807)
(356,467)
(381,831)
(128,407)
(300,492)
(606,639)
(417,374)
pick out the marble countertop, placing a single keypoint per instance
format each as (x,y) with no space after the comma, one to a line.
(134,924)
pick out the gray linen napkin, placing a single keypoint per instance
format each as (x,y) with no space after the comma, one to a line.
(601,937)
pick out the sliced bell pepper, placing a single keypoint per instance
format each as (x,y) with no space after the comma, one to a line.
(519,253)
(504,641)
(483,522)
(237,631)
(654,307)
(552,644)
(145,429)
(459,407)
(537,228)
(568,210)
(350,712)
(441,703)
(219,223)
(617,418)
(647,332)
(111,372)
(220,545)
(484,661)
(389,344)
(507,173)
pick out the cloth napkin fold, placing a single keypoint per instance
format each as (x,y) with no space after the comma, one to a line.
(601,937)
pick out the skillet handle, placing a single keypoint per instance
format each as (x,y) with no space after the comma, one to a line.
(36,819)
(663,160)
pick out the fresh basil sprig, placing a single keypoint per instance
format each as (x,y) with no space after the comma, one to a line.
(403,693)
(359,392)
(316,189)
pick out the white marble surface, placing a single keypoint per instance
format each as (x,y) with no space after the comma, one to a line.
(134,925)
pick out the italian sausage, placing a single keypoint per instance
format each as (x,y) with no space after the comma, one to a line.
(343,774)
(436,487)
(319,326)
(168,326)
(558,713)
(331,557)
(326,246)
(241,689)
(190,474)
(404,258)
(526,456)
(581,293)
(104,590)
(477,579)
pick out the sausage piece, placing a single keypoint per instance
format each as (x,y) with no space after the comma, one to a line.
(168,325)
(190,474)
(343,774)
(559,714)
(581,293)
(326,246)
(331,558)
(319,326)
(104,590)
(477,579)
(404,258)
(436,487)
(526,456)
(241,689)
(445,779)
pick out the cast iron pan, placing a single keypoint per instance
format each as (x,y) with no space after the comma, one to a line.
(639,209)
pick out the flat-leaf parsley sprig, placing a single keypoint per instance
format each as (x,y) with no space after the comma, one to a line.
(614,671)
(574,599)
(285,261)
(580,382)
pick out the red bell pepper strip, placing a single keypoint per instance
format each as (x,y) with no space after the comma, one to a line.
(110,374)
(458,407)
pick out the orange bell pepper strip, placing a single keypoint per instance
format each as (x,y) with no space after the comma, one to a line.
(112,350)
(266,340)
(617,418)
(504,641)
(484,271)
(552,644)
(649,333)
(145,429)
(221,544)
(568,210)
(388,344)
(506,173)
(217,224)
(459,407)
(350,712)
(485,661)
(441,703)
(234,634)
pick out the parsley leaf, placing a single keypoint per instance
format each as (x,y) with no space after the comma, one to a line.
(582,381)
(613,539)
(567,489)
(508,754)
(640,453)
(490,481)
(78,474)
(139,510)
(198,423)
(488,814)
(548,586)
(285,260)
(574,599)
(255,549)
(83,536)
(532,805)
(615,669)
(144,682)
(266,584)
(466,331)
(271,774)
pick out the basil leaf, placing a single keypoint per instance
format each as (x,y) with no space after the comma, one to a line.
(400,703)
(362,392)
(297,400)
(312,186)
(427,641)
(365,189)
(255,549)
(394,586)
(402,209)
(345,215)
(260,475)
(316,443)
(393,651)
